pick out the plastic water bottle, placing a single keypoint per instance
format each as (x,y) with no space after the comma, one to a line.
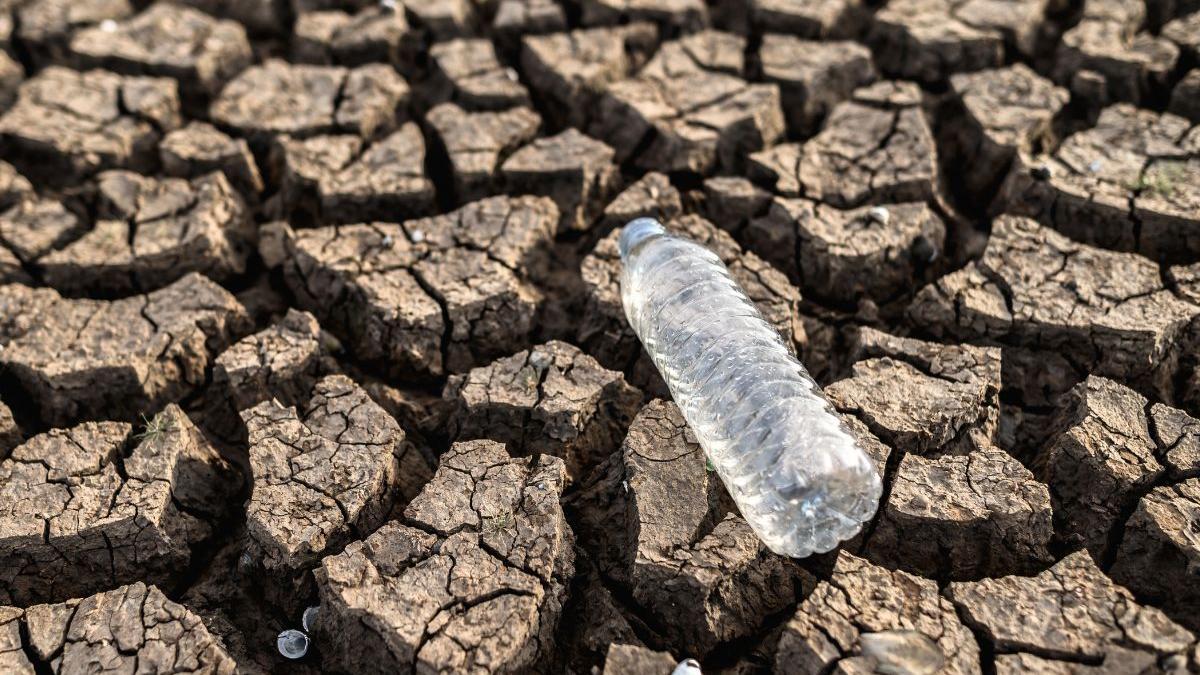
(798,476)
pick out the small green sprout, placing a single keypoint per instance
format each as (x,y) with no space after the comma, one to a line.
(155,428)
(1160,179)
(498,522)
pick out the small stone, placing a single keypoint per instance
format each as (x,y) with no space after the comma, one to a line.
(292,643)
(902,652)
(880,214)
(108,26)
(687,667)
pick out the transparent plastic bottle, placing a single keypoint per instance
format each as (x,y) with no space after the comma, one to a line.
(798,476)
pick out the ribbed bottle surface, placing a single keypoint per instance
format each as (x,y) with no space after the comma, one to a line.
(797,475)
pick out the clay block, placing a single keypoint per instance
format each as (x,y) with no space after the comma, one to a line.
(477,143)
(813,76)
(468,73)
(575,171)
(200,149)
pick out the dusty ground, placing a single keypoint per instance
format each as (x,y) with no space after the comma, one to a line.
(314,302)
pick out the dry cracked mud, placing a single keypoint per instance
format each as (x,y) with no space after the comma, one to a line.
(315,305)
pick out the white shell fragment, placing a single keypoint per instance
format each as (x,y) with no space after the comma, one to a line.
(309,618)
(902,652)
(292,643)
(880,214)
(687,667)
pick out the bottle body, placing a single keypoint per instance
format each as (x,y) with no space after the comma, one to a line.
(798,476)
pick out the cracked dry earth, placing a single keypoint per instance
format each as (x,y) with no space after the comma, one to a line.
(315,303)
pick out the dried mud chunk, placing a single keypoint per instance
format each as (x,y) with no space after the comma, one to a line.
(11,271)
(651,196)
(376,34)
(469,74)
(515,18)
(1159,556)
(928,40)
(66,125)
(813,76)
(1105,41)
(1101,460)
(811,19)
(634,660)
(999,113)
(708,50)
(13,658)
(662,526)
(1129,183)
(697,122)
(1103,311)
(674,15)
(575,171)
(1071,612)
(1185,99)
(260,17)
(731,201)
(552,399)
(964,517)
(95,358)
(477,584)
(836,623)
(13,186)
(12,73)
(128,629)
(37,226)
(477,142)
(45,27)
(168,40)
(82,518)
(570,71)
(1177,436)
(388,290)
(605,333)
(344,179)
(280,363)
(322,478)
(921,397)
(844,256)
(444,19)
(1185,32)
(10,432)
(200,149)
(278,98)
(152,231)
(875,148)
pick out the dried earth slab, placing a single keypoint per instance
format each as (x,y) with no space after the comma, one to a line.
(570,71)
(843,256)
(44,28)
(604,331)
(576,171)
(10,432)
(696,122)
(1105,58)
(469,74)
(994,114)
(673,15)
(650,196)
(68,125)
(168,40)
(472,578)
(516,18)
(84,514)
(1102,311)
(134,628)
(36,226)
(707,50)
(632,660)
(324,476)
(443,20)
(552,399)
(1129,183)
(378,34)
(660,524)
(963,517)
(875,148)
(477,143)
(200,149)
(345,179)
(1069,614)
(432,296)
(280,363)
(1159,555)
(115,359)
(149,232)
(808,19)
(867,619)
(813,76)
(921,397)
(1185,98)
(278,98)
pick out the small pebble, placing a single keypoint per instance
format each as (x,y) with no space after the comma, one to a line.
(309,616)
(687,667)
(418,236)
(539,360)
(388,242)
(108,26)
(880,214)
(388,4)
(292,643)
(1095,166)
(512,74)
